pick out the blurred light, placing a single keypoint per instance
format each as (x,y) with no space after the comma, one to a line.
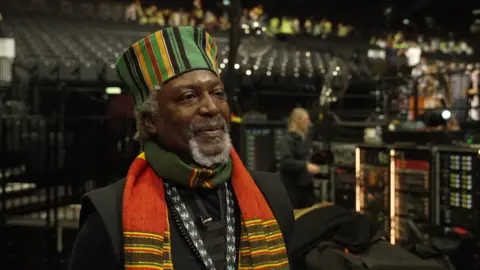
(387,11)
(248,72)
(222,65)
(225,61)
(256,24)
(269,73)
(406,21)
(335,73)
(113,90)
(236,66)
(337,68)
(446,114)
(255,67)
(264,29)
(244,26)
(308,54)
(247,31)
(259,32)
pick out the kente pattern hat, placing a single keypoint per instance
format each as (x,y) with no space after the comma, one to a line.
(163,55)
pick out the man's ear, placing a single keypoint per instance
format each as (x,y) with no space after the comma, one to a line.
(150,125)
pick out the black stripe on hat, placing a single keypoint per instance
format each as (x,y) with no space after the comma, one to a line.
(130,90)
(171,52)
(134,66)
(181,48)
(196,37)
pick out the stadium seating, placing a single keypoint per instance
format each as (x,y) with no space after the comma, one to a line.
(59,49)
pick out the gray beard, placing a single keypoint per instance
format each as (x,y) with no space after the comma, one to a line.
(212,160)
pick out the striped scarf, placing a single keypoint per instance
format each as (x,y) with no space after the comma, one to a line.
(146,226)
(179,173)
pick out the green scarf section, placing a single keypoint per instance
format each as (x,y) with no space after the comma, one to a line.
(171,168)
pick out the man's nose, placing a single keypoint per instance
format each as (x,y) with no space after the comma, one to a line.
(208,106)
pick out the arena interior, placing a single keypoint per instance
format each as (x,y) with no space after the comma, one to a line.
(391,88)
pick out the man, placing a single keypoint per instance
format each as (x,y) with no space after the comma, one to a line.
(187,202)
(295,169)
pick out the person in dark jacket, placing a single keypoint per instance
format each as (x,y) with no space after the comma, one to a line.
(295,169)
(187,202)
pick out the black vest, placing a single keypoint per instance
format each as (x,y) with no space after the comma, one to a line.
(213,206)
(107,202)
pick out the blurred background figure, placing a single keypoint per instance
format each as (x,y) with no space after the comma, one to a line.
(2,32)
(295,169)
(474,100)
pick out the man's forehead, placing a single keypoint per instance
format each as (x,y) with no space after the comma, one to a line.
(198,78)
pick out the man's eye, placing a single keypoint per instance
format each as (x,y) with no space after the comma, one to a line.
(220,94)
(187,97)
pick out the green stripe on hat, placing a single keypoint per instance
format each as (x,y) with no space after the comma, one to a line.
(174,44)
(181,47)
(198,41)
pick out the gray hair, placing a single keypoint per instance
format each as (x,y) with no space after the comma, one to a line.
(147,111)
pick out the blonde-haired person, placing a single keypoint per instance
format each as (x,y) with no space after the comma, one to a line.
(295,169)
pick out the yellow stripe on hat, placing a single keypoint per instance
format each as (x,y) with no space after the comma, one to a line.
(163,51)
(209,50)
(143,66)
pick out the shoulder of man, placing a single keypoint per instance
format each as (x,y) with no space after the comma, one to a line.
(103,200)
(107,202)
(277,197)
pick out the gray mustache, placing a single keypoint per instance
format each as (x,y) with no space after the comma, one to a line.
(217,121)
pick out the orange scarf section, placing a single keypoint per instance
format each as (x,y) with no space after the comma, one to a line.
(146,222)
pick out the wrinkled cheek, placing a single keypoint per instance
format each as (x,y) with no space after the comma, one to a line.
(178,133)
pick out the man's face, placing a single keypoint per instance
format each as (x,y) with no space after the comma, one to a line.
(193,116)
